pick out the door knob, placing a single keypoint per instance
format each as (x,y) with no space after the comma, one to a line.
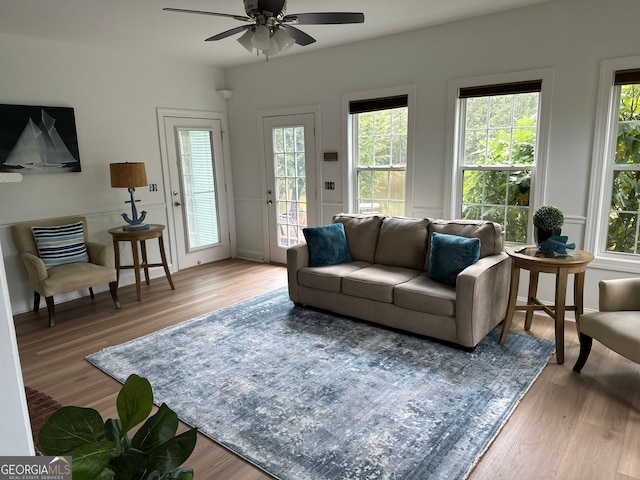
(269,202)
(177,204)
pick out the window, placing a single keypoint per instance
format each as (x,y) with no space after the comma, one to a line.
(497,154)
(623,166)
(612,232)
(198,187)
(379,130)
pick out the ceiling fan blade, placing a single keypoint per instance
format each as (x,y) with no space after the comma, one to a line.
(299,36)
(324,18)
(228,33)
(215,14)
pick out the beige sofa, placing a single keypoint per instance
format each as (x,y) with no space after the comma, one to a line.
(388,281)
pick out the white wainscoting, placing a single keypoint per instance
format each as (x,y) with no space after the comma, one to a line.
(426,212)
(329,210)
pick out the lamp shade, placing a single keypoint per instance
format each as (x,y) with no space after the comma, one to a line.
(127,175)
(283,39)
(245,40)
(262,38)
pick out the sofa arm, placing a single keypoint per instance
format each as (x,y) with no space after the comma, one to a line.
(98,253)
(297,258)
(619,294)
(482,294)
(36,269)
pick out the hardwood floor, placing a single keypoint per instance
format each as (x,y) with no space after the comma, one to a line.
(583,426)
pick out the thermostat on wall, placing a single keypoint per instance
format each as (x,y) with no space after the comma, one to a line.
(330,156)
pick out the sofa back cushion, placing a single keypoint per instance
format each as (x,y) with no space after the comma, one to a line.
(490,234)
(362,234)
(403,242)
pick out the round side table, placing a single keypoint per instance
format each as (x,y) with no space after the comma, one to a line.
(136,237)
(532,259)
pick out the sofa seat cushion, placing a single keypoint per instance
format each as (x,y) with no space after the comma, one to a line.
(328,278)
(424,294)
(376,282)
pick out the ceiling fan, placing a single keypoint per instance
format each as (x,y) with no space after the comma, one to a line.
(270,30)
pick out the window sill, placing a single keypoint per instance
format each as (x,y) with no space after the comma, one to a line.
(607,262)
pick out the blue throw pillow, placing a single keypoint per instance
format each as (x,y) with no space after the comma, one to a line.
(450,254)
(327,245)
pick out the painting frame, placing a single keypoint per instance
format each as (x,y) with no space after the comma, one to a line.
(37,139)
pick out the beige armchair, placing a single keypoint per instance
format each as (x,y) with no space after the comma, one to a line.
(66,277)
(617,324)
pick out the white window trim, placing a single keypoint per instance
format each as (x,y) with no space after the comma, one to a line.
(349,192)
(603,145)
(453,199)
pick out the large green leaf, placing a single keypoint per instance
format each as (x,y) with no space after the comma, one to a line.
(70,428)
(135,402)
(90,460)
(170,455)
(158,429)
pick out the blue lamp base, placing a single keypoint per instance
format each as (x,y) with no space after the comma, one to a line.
(133,228)
(135,222)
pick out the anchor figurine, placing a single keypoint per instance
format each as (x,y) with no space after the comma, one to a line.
(134,223)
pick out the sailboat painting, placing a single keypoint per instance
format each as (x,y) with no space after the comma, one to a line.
(37,140)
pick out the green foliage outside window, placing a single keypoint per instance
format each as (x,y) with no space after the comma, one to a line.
(500,131)
(381,161)
(625,194)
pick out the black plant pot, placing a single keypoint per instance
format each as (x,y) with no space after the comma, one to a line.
(541,235)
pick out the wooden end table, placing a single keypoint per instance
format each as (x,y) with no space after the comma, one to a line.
(537,262)
(136,237)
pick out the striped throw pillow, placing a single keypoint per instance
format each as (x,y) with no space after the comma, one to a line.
(61,244)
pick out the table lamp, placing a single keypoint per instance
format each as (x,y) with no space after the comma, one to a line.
(130,175)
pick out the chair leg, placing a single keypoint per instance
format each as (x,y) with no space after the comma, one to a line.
(585,349)
(36,302)
(52,311)
(91,293)
(113,288)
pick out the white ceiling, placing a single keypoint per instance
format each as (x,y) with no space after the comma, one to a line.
(141,25)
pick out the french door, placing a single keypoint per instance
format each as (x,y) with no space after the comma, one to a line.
(197,190)
(291,190)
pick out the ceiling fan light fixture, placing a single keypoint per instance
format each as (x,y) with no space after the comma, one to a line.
(261,38)
(283,40)
(274,49)
(246,40)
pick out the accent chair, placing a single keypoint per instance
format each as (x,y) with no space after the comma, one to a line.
(59,259)
(617,324)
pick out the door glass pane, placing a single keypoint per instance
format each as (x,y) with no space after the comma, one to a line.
(200,206)
(291,184)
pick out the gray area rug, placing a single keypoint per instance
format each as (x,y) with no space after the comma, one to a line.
(307,395)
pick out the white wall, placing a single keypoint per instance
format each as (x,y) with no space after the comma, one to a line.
(115,95)
(569,36)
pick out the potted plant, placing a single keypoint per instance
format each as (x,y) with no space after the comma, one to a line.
(103,450)
(547,222)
